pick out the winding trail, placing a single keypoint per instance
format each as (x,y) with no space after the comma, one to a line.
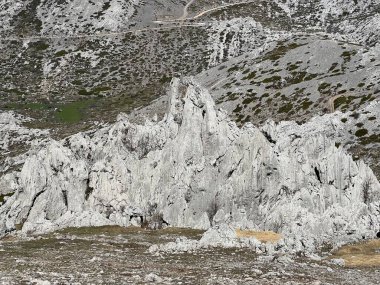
(185,11)
(200,14)
(331,101)
(219,8)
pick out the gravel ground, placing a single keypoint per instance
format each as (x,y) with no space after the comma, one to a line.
(120,256)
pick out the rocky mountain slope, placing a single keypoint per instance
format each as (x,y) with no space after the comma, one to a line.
(103,55)
(196,168)
(68,64)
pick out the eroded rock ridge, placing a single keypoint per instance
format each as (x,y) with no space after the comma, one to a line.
(196,168)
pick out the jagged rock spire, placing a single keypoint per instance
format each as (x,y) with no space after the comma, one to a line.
(195,168)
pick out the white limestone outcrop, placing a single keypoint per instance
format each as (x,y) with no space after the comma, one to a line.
(221,235)
(231,38)
(196,168)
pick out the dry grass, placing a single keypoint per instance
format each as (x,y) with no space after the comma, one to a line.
(365,254)
(263,236)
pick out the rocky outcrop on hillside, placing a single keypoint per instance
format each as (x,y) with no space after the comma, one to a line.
(358,20)
(196,168)
(229,39)
(16,142)
(16,139)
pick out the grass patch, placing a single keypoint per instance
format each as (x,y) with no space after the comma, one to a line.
(365,254)
(263,236)
(36,106)
(73,112)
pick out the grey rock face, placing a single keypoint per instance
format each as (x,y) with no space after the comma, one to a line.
(229,39)
(193,169)
(15,141)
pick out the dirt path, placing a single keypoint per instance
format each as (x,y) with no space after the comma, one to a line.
(218,8)
(185,10)
(331,101)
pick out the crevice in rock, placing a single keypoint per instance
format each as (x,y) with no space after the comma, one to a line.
(234,169)
(269,138)
(212,209)
(33,202)
(64,194)
(218,159)
(318,174)
(89,190)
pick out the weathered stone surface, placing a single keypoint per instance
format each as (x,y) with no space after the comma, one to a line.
(195,168)
(221,235)
(15,141)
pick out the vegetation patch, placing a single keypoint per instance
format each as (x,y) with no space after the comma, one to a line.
(370,139)
(40,46)
(286,108)
(3,197)
(323,86)
(73,112)
(306,104)
(250,76)
(361,84)
(361,132)
(365,254)
(263,236)
(272,79)
(339,101)
(37,106)
(233,68)
(61,53)
(280,51)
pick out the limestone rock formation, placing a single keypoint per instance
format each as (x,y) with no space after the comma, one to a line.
(196,168)
(231,38)
(15,141)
